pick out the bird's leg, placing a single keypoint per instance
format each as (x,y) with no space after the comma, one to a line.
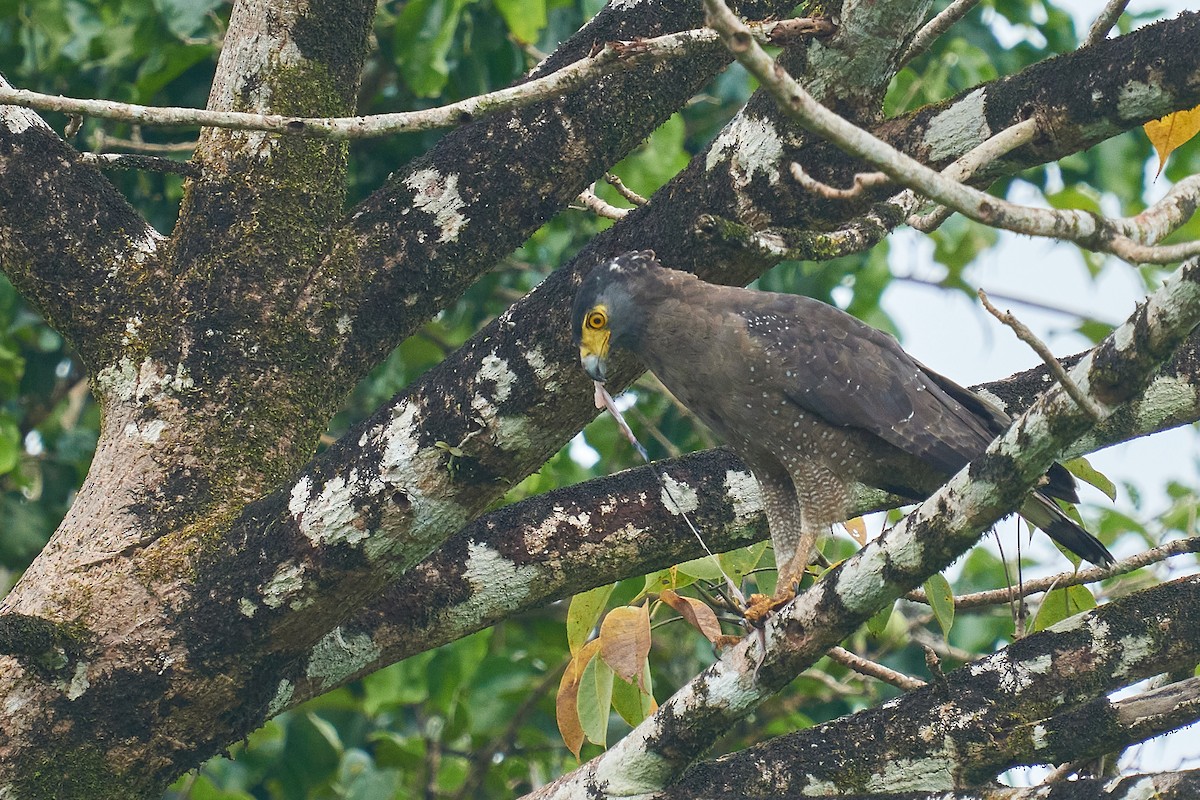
(791,572)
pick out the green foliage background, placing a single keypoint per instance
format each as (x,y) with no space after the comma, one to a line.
(476,718)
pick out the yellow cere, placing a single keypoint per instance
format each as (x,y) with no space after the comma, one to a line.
(594,340)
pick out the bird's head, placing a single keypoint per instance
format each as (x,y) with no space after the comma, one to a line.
(607,314)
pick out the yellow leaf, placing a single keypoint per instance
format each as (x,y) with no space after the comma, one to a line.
(1171,131)
(697,614)
(566,702)
(625,640)
(857,528)
(583,613)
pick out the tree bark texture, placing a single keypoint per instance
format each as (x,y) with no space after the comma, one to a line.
(211,570)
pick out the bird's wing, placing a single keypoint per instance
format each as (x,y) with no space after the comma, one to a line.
(852,375)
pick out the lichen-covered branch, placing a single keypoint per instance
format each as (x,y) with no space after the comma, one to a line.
(69,241)
(1122,237)
(1039,700)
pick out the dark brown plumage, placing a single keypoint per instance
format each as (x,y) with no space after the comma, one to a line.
(811,398)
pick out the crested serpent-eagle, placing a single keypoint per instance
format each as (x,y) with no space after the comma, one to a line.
(811,398)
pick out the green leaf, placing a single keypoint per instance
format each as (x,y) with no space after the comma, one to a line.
(10,444)
(631,702)
(424,35)
(1061,603)
(595,700)
(200,787)
(941,600)
(525,18)
(1082,469)
(706,568)
(738,563)
(878,622)
(403,683)
(584,612)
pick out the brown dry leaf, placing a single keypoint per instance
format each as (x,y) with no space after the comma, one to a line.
(1171,131)
(625,640)
(697,614)
(566,709)
(857,528)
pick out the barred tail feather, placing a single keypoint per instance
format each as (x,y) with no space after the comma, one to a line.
(1045,514)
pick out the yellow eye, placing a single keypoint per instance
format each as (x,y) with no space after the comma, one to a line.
(596,319)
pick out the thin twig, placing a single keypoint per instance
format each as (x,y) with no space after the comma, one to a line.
(101,141)
(1121,237)
(862,182)
(1062,772)
(1056,369)
(868,230)
(936,27)
(623,190)
(873,669)
(144,163)
(1007,298)
(612,57)
(670,447)
(991,150)
(1112,12)
(1063,579)
(590,201)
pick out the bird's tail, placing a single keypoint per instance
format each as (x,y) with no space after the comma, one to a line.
(1045,514)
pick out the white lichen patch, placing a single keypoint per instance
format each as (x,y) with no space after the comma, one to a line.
(337,656)
(930,774)
(678,498)
(79,683)
(1136,99)
(743,492)
(148,432)
(861,589)
(132,326)
(495,369)
(299,496)
(283,696)
(1165,397)
(1038,737)
(118,381)
(343,324)
(287,581)
(751,145)
(510,429)
(331,517)
(959,128)
(437,194)
(1135,651)
(546,376)
(1012,677)
(537,538)
(993,399)
(247,607)
(497,580)
(126,381)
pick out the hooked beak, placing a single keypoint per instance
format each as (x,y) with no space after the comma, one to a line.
(593,364)
(593,352)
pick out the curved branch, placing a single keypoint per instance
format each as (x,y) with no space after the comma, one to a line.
(1051,679)
(615,55)
(69,241)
